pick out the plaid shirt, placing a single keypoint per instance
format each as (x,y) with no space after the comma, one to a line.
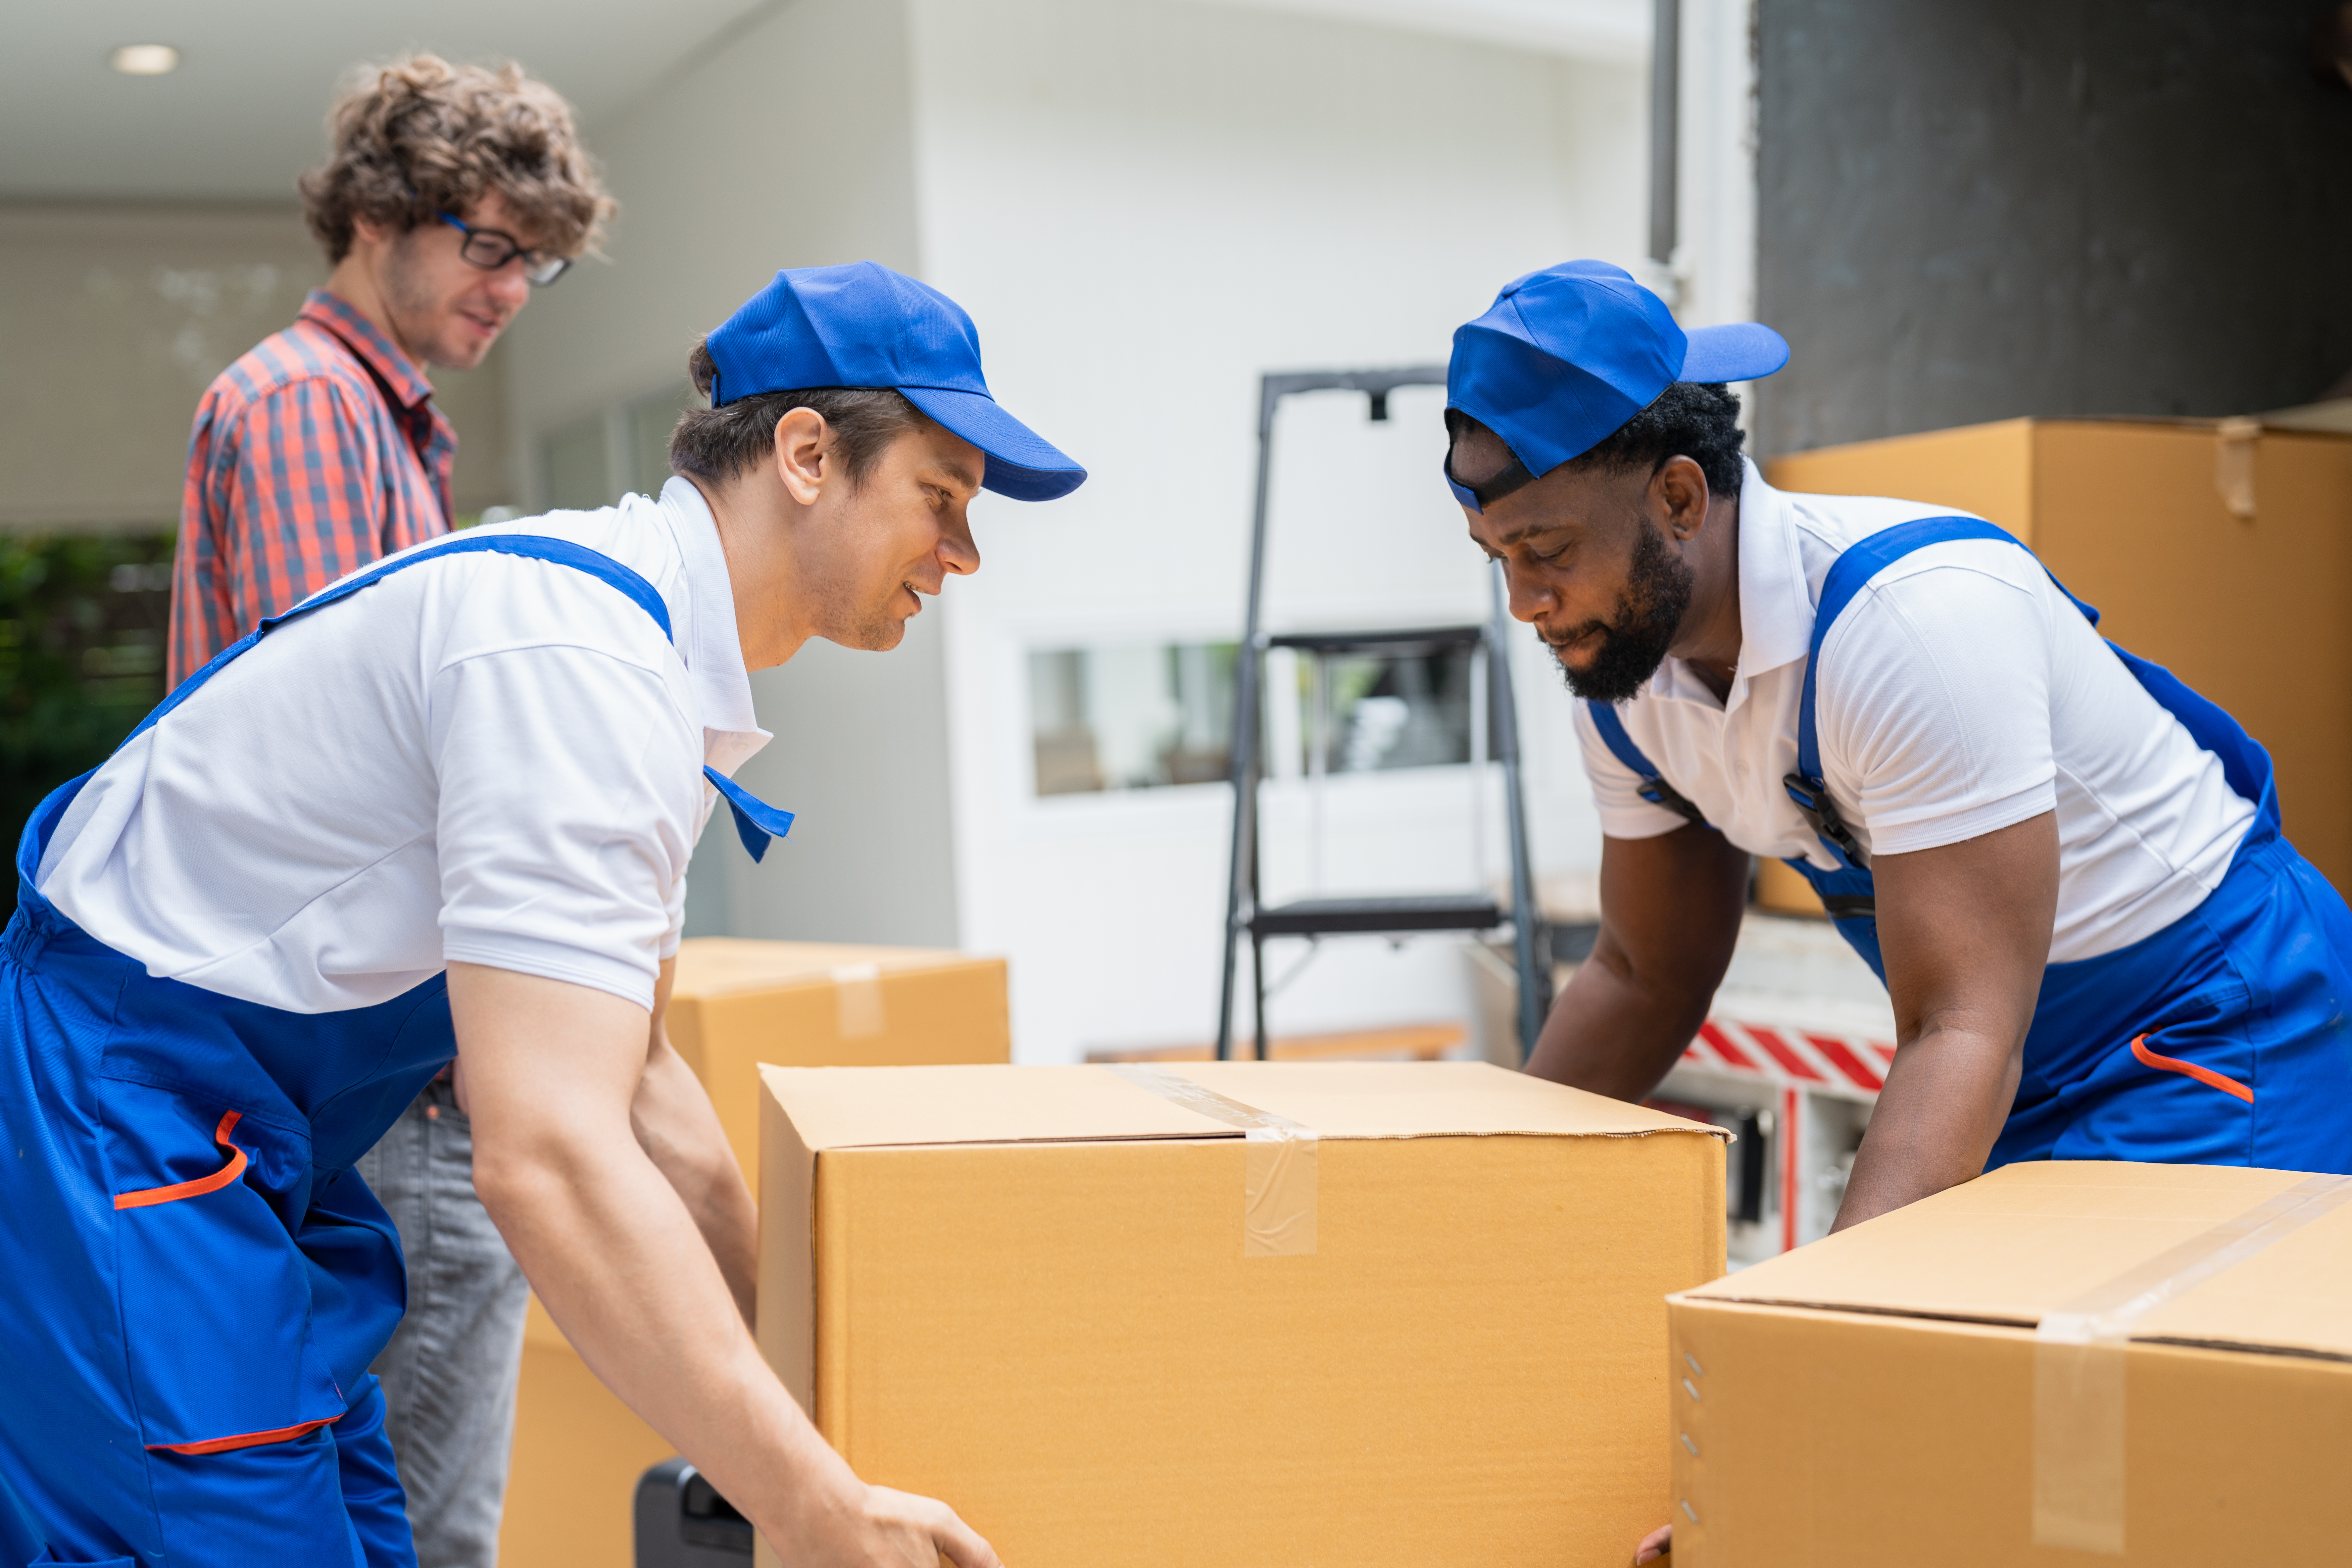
(317,453)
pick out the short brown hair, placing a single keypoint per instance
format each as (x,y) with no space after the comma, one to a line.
(420,137)
(714,444)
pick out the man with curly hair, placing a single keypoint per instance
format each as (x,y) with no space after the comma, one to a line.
(450,193)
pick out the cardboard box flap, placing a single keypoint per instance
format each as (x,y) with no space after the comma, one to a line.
(1420,1100)
(2044,1236)
(835,1108)
(712,966)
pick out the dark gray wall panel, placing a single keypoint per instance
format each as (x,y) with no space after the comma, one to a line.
(1974,209)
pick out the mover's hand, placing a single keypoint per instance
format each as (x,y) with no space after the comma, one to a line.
(1655,1544)
(874,1527)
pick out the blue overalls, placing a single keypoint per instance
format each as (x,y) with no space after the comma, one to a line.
(192,1279)
(2219,1041)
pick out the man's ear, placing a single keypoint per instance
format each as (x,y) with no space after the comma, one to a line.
(368,229)
(1681,489)
(802,461)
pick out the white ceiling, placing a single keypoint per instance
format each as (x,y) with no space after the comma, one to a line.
(242,115)
(1594,29)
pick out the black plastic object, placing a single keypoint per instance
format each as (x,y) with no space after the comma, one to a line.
(1417,643)
(1748,1173)
(1377,917)
(683,1522)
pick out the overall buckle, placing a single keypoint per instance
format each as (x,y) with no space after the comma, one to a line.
(1813,798)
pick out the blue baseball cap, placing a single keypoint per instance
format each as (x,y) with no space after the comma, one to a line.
(864,325)
(1565,356)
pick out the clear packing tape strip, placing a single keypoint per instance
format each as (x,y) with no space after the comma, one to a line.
(2079,1356)
(1278,1181)
(857,1001)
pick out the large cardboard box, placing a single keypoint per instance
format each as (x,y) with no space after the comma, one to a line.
(2059,1363)
(1242,1313)
(2220,549)
(578,1450)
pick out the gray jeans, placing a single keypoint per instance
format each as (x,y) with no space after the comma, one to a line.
(449,1372)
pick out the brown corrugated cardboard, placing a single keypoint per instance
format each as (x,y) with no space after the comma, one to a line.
(2063,1362)
(738,1003)
(578,1450)
(1078,1303)
(2216,548)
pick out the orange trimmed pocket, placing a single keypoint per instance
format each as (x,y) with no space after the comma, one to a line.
(246,1439)
(147,1197)
(215,1296)
(2203,1075)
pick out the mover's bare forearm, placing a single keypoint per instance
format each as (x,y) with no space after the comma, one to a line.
(1945,1096)
(1964,929)
(1611,1033)
(678,1129)
(613,1253)
(1670,912)
(610,1247)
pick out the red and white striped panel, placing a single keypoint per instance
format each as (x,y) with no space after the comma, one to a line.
(1846,1064)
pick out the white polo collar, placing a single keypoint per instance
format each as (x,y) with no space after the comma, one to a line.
(1776,606)
(707,640)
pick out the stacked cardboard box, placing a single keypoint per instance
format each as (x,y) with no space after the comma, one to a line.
(2063,1362)
(1239,1313)
(578,1450)
(2216,548)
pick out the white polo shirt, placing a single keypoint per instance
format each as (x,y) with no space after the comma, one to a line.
(1960,692)
(484,758)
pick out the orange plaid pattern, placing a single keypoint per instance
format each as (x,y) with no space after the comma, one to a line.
(317,452)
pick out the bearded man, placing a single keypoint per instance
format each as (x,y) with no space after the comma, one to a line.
(2068,868)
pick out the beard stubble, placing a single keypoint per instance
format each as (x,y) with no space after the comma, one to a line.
(1648,616)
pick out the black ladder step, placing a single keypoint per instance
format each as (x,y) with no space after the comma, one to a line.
(1402,644)
(1330,917)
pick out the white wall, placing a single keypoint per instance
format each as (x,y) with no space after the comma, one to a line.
(1716,210)
(792,145)
(114,319)
(1145,207)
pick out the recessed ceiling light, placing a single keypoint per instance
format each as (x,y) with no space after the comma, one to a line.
(144,60)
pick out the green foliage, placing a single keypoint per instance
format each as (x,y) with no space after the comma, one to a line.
(82,627)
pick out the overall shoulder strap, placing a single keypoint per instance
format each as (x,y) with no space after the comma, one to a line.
(1652,786)
(1849,574)
(2245,765)
(757,822)
(537,547)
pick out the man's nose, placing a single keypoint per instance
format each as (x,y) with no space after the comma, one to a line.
(958,552)
(509,288)
(1529,596)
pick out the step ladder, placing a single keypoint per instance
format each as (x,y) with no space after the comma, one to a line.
(1245,916)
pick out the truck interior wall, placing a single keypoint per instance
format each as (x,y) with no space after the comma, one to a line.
(1976,210)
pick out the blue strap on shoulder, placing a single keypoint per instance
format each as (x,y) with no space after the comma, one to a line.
(1853,570)
(1652,785)
(1619,743)
(757,822)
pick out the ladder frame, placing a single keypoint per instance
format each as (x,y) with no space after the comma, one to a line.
(1243,909)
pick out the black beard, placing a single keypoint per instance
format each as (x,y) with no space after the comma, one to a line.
(1649,616)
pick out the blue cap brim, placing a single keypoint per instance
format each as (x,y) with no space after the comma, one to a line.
(1021,464)
(1743,351)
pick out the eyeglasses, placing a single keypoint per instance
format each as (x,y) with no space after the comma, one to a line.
(490,249)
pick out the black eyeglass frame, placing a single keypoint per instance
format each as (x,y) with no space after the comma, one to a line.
(540,268)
